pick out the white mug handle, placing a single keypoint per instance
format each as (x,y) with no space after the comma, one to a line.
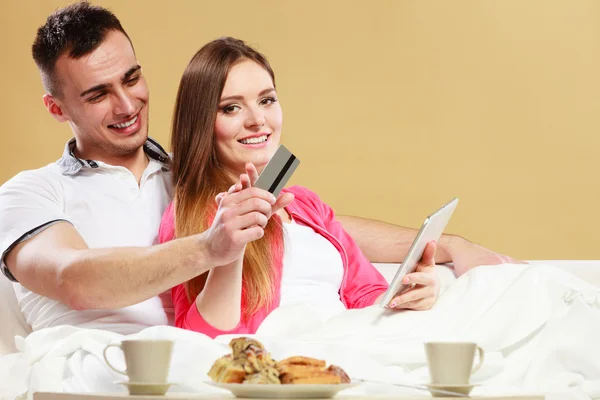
(480,363)
(124,372)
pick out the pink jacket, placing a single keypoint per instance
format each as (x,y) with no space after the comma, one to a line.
(361,284)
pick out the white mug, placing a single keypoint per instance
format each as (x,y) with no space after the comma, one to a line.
(147,361)
(451,363)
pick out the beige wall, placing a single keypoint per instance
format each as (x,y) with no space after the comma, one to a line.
(393,107)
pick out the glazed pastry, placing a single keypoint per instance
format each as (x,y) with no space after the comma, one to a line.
(300,360)
(268,375)
(339,372)
(250,363)
(225,371)
(305,370)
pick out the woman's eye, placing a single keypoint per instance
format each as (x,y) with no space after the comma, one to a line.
(230,108)
(268,100)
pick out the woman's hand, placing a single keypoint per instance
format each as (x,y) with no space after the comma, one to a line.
(248,180)
(425,284)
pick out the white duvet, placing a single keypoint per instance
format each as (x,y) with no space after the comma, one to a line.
(539,326)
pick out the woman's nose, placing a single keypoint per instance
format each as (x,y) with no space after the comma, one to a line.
(256,117)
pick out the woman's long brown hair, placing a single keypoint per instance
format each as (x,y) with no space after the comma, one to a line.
(198,177)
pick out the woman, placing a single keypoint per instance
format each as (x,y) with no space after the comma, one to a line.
(226,115)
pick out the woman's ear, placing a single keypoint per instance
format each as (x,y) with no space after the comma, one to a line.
(55,108)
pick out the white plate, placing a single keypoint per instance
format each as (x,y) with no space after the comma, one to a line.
(254,390)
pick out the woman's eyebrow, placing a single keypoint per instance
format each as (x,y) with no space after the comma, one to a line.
(262,93)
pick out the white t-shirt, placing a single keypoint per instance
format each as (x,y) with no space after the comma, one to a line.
(108,209)
(312,271)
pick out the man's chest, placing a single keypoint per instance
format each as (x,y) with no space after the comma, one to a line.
(112,212)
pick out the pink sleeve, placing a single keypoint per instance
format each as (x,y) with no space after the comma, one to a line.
(188,317)
(166,231)
(362,282)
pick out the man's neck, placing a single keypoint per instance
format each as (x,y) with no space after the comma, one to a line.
(135,162)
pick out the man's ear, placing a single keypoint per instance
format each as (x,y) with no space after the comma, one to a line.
(55,108)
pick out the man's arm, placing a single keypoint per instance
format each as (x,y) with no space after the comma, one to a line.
(58,264)
(381,242)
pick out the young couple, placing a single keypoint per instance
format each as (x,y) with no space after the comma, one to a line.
(79,235)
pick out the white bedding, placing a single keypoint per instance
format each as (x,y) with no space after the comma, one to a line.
(538,324)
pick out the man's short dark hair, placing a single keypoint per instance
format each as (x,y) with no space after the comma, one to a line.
(77,29)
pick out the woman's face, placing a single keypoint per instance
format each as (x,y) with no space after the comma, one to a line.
(249,119)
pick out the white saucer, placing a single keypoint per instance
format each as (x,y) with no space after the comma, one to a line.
(147,388)
(459,389)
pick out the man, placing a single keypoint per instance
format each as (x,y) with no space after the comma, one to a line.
(79,235)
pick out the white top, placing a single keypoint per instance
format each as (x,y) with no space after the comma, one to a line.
(312,271)
(108,209)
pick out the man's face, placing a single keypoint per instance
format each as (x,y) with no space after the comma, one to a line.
(104,98)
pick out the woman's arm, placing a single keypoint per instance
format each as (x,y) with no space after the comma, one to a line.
(217,309)
(220,302)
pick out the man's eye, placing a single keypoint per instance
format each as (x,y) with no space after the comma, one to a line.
(97,98)
(133,81)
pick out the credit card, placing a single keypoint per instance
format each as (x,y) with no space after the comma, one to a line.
(278,171)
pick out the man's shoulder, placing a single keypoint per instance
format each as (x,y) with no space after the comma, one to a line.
(47,175)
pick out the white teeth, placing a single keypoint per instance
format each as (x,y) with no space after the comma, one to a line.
(126,124)
(255,140)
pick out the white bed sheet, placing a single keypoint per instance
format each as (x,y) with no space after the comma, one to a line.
(13,324)
(538,325)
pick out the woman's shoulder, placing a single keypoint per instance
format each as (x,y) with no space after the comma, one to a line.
(308,204)
(302,194)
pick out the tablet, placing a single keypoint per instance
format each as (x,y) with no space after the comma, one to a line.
(432,229)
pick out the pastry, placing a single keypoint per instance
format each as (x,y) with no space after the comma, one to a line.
(250,363)
(225,371)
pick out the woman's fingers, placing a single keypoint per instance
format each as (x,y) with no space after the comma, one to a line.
(219,197)
(245,181)
(420,278)
(252,173)
(412,296)
(282,201)
(246,194)
(428,257)
(251,205)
